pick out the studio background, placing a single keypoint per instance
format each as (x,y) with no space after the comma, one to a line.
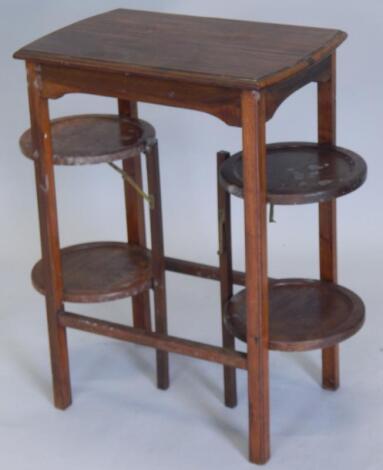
(118,419)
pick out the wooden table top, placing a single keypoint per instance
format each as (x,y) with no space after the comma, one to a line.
(237,54)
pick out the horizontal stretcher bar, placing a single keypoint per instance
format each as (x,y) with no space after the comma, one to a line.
(200,270)
(206,271)
(155,340)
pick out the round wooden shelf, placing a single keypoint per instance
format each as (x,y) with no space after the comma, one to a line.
(301,173)
(304,314)
(93,138)
(100,271)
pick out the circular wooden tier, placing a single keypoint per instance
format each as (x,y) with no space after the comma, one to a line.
(300,173)
(304,314)
(93,138)
(100,271)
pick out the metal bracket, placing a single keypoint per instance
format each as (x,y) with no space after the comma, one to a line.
(148,197)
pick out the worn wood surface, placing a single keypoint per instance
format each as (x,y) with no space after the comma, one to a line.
(301,173)
(304,314)
(139,56)
(238,71)
(239,54)
(92,138)
(100,271)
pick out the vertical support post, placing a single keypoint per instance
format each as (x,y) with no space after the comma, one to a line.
(135,215)
(327,217)
(158,261)
(254,175)
(49,234)
(226,278)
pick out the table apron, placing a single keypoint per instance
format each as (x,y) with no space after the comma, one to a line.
(219,101)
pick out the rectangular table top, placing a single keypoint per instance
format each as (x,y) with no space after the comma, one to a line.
(238,54)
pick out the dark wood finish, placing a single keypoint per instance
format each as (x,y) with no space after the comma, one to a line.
(217,100)
(200,270)
(134,206)
(278,93)
(158,262)
(304,314)
(100,271)
(112,55)
(231,53)
(327,217)
(159,341)
(254,168)
(49,235)
(226,279)
(238,71)
(301,173)
(92,138)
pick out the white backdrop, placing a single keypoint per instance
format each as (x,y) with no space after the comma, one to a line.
(118,419)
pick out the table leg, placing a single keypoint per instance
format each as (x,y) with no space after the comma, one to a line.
(135,216)
(254,175)
(46,198)
(226,278)
(158,261)
(327,217)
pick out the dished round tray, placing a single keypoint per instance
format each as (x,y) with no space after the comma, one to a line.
(301,173)
(92,138)
(303,314)
(100,271)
